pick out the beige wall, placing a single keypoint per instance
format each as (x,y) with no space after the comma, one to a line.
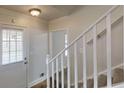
(37,37)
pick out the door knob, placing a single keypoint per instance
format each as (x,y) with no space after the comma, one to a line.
(25,59)
(25,62)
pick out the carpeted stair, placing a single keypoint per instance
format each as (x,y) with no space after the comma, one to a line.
(117,77)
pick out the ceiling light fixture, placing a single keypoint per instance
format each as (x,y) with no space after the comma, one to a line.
(35,11)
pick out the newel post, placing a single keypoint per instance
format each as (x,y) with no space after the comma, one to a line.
(47,71)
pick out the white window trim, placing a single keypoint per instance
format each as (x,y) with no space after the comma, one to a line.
(24,49)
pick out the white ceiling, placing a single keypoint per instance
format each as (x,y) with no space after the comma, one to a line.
(49,12)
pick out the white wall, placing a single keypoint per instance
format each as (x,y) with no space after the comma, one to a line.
(58,42)
(78,22)
(38,30)
(37,35)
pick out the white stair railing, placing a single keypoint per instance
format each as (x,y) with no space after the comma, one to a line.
(53,81)
(108,45)
(62,71)
(75,65)
(84,64)
(48,79)
(54,60)
(68,72)
(123,36)
(95,57)
(57,74)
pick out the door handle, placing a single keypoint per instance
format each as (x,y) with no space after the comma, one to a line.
(25,59)
(25,62)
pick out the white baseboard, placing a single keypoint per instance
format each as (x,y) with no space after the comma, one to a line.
(119,85)
(39,80)
(44,78)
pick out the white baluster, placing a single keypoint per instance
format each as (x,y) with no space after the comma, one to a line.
(108,46)
(48,78)
(62,71)
(95,57)
(84,64)
(57,74)
(53,74)
(123,38)
(68,73)
(75,65)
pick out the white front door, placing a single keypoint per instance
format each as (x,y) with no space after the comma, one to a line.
(12,58)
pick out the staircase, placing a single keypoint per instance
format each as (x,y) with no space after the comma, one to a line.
(59,74)
(117,77)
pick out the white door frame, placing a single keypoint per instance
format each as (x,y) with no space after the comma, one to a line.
(50,52)
(26,44)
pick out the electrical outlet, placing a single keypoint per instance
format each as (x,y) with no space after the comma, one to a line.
(42,74)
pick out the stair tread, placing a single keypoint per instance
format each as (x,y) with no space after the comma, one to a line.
(117,77)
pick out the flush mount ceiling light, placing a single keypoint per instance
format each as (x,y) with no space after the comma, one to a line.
(35,11)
